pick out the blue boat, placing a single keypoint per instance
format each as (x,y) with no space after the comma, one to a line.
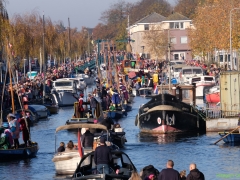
(21,153)
(233,137)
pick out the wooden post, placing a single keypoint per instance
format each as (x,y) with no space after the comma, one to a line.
(11,87)
(194,94)
(180,94)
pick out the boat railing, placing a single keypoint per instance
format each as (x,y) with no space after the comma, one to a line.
(216,113)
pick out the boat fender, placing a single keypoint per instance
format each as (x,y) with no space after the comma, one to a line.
(167,122)
(173,119)
(159,120)
(136,120)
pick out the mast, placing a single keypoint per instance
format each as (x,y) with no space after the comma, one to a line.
(44,65)
(69,39)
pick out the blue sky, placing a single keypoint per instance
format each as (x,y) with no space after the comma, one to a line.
(81,12)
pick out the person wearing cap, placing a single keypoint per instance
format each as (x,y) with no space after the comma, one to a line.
(102,157)
(15,128)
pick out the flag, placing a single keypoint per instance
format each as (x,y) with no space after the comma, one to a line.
(80,144)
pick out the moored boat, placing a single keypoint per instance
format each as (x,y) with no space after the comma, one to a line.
(21,153)
(233,137)
(214,95)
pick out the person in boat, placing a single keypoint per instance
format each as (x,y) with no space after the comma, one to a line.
(61,147)
(103,157)
(15,128)
(107,121)
(87,139)
(169,173)
(147,171)
(183,175)
(8,133)
(93,105)
(135,176)
(25,128)
(195,174)
(70,146)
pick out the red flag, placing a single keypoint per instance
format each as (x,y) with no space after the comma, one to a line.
(80,144)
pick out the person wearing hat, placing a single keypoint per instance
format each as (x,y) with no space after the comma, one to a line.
(102,157)
(14,128)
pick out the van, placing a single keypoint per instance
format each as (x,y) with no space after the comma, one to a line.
(188,72)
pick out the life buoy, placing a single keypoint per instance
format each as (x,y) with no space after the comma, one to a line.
(159,120)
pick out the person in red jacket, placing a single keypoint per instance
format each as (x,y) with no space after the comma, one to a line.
(80,106)
(25,128)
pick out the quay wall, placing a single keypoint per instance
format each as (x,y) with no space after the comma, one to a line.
(221,124)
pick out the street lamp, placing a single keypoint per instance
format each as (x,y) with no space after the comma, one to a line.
(86,30)
(232,62)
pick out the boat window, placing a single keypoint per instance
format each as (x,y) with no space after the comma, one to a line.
(177,69)
(126,162)
(197,71)
(187,71)
(127,64)
(65,83)
(179,62)
(208,78)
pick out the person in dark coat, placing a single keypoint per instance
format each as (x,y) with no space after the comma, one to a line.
(25,128)
(87,139)
(195,174)
(107,121)
(102,157)
(61,147)
(169,173)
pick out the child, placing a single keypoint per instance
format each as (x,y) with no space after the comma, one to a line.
(183,174)
(112,107)
(61,147)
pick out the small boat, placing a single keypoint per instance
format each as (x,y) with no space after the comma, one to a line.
(146,91)
(231,138)
(66,162)
(41,110)
(21,153)
(121,168)
(64,91)
(116,136)
(214,95)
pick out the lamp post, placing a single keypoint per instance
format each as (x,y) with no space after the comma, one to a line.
(88,41)
(24,66)
(232,62)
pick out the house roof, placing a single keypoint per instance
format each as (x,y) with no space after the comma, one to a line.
(152,18)
(176,16)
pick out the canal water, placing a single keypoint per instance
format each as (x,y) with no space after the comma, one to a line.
(219,161)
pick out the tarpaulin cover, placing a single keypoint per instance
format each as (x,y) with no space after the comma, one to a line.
(131,74)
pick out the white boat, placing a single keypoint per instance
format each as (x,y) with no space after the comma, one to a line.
(65,91)
(66,162)
(81,84)
(203,84)
(89,80)
(41,110)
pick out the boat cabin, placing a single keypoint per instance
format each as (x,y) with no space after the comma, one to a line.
(189,72)
(121,163)
(65,85)
(145,91)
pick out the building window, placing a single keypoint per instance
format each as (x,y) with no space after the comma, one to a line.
(179,56)
(183,40)
(176,25)
(146,27)
(173,40)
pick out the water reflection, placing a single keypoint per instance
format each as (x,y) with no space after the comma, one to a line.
(168,138)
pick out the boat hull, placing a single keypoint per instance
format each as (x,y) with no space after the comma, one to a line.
(20,153)
(66,162)
(65,98)
(53,109)
(168,116)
